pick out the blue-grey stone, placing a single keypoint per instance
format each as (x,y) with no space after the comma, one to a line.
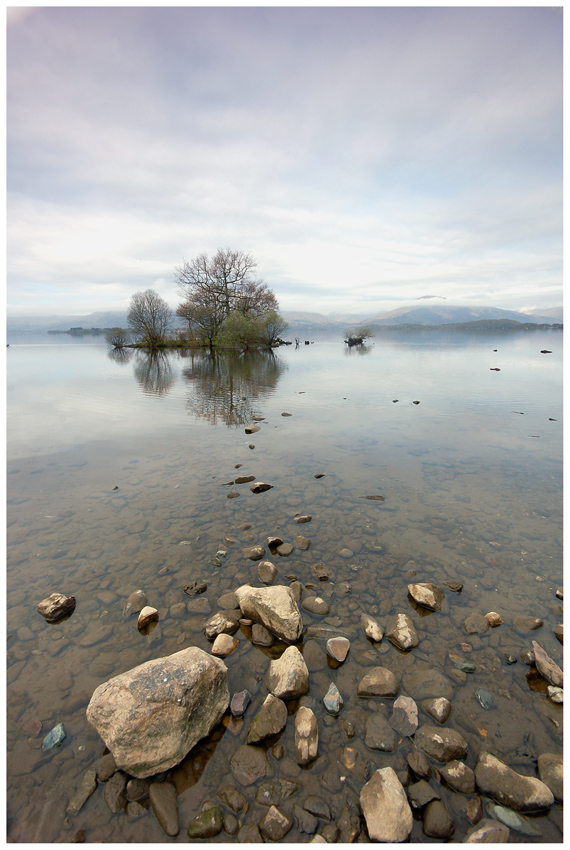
(54,738)
(333,700)
(485,698)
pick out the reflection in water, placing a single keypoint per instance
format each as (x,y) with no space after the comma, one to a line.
(226,383)
(154,372)
(361,350)
(122,356)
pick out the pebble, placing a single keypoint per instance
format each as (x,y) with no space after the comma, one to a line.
(275,824)
(285,549)
(105,767)
(224,645)
(232,798)
(114,792)
(337,648)
(302,518)
(137,789)
(485,698)
(239,703)
(315,605)
(493,619)
(260,487)
(267,572)
(453,585)
(475,624)
(165,806)
(193,588)
(333,700)
(261,636)
(207,825)
(147,615)
(54,737)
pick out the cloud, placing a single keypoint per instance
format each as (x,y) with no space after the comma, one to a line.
(354,152)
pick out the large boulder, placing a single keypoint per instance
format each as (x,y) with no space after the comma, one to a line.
(273,607)
(151,716)
(509,788)
(385,807)
(288,676)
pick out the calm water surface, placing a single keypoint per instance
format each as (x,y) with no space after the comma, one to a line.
(472,485)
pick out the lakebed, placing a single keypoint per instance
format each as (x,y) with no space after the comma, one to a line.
(119,473)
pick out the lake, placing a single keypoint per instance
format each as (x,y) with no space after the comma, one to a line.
(121,475)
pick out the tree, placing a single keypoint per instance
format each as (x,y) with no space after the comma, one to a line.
(272,326)
(149,317)
(203,314)
(118,337)
(358,335)
(241,330)
(225,284)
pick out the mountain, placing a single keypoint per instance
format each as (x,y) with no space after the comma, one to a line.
(446,315)
(63,323)
(555,314)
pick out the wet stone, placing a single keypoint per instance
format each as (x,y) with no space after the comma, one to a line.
(379,735)
(302,543)
(419,764)
(224,645)
(288,676)
(437,821)
(385,807)
(401,632)
(207,825)
(551,772)
(547,668)
(305,822)
(475,624)
(254,553)
(315,605)
(332,700)
(488,831)
(560,593)
(527,657)
(228,601)
(509,788)
(177,610)
(427,595)
(527,624)
(114,792)
(244,479)
(485,698)
(193,588)
(261,636)
(260,487)
(275,824)
(453,585)
(285,549)
(493,619)
(87,787)
(137,789)
(248,764)
(349,826)
(559,632)
(421,793)
(274,542)
(459,777)
(513,820)
(249,833)
(269,720)
(273,792)
(337,648)
(441,744)
(267,572)
(379,682)
(317,807)
(230,824)
(105,767)
(220,624)
(135,810)
(232,798)
(404,717)
(372,628)
(555,694)
(165,806)
(56,607)
(302,518)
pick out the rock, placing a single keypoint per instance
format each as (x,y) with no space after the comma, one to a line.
(560,592)
(321,572)
(177,610)
(231,824)
(306,736)
(488,832)
(474,809)
(401,632)
(267,572)
(493,619)
(244,479)
(273,607)
(56,606)
(105,767)
(249,833)
(385,807)
(220,624)
(228,601)
(137,789)
(288,676)
(404,716)
(272,792)
(285,549)
(274,542)
(87,787)
(330,833)
(193,588)
(269,720)
(332,700)
(438,823)
(459,777)
(379,682)
(165,806)
(135,603)
(337,648)
(306,822)
(232,798)
(315,605)
(453,585)
(317,807)
(372,628)
(427,595)
(378,735)
(461,664)
(143,715)
(485,698)
(421,793)
(551,772)
(248,764)
(527,624)
(275,824)
(559,632)
(254,553)
(261,636)
(54,738)
(135,810)
(348,826)
(147,615)
(512,819)
(374,497)
(114,792)
(555,694)
(527,657)
(475,624)
(260,487)
(440,743)
(547,668)
(302,543)
(503,784)
(252,429)
(207,825)
(419,764)
(224,645)
(302,518)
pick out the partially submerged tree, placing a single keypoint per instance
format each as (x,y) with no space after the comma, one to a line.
(149,317)
(358,335)
(241,331)
(272,326)
(118,337)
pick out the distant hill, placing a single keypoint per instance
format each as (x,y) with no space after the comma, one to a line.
(448,314)
(63,323)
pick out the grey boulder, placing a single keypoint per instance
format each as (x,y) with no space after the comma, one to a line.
(273,607)
(150,717)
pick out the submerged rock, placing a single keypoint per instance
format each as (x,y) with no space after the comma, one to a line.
(438,823)
(165,806)
(441,744)
(56,607)
(509,788)
(459,777)
(427,595)
(547,668)
(143,715)
(220,624)
(269,720)
(337,648)
(135,603)
(333,700)
(512,819)
(372,628)
(193,588)
(273,607)
(385,807)
(240,702)
(401,632)
(260,487)
(306,736)
(288,676)
(378,734)
(207,825)
(254,553)
(488,831)
(275,824)
(54,737)
(551,772)
(249,763)
(87,787)
(404,716)
(379,682)
(475,624)
(485,698)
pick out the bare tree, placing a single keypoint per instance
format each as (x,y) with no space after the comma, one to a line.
(118,337)
(204,315)
(149,317)
(226,282)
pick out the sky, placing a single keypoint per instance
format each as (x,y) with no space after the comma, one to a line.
(366,157)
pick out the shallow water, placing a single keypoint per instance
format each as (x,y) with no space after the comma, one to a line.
(472,483)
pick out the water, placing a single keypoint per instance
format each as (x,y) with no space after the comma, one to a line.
(119,470)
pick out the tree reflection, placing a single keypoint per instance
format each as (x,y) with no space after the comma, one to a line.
(122,356)
(357,350)
(153,372)
(226,384)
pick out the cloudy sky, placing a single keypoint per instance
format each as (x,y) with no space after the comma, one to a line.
(365,156)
